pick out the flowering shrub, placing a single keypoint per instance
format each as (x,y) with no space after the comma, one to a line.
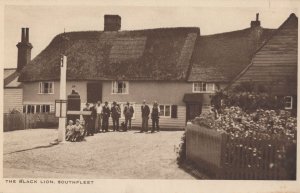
(261,139)
(264,123)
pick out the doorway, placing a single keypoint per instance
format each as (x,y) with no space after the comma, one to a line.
(193,110)
(94,92)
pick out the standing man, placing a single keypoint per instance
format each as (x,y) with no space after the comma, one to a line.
(128,114)
(86,119)
(155,117)
(99,117)
(115,115)
(105,114)
(145,116)
(93,118)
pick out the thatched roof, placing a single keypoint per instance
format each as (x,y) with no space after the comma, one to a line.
(221,57)
(154,54)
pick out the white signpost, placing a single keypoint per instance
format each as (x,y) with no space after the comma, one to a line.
(61,109)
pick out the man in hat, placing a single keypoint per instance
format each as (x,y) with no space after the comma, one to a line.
(105,114)
(145,116)
(128,114)
(155,117)
(115,115)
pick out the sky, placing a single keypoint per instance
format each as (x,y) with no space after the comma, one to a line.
(45,22)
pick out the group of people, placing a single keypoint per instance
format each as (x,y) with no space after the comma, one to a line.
(98,120)
(75,132)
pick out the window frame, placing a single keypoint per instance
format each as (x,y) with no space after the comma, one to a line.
(291,101)
(35,107)
(164,110)
(113,87)
(41,89)
(206,86)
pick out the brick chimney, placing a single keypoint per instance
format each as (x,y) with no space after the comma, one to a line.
(255,23)
(112,22)
(24,49)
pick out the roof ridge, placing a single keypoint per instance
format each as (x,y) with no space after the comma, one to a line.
(229,32)
(292,15)
(135,30)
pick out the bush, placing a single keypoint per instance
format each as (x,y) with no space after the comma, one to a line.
(263,123)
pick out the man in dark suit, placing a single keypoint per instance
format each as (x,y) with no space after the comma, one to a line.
(115,115)
(86,120)
(106,115)
(145,116)
(155,117)
(92,119)
(128,114)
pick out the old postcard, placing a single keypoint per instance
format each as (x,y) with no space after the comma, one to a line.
(149,96)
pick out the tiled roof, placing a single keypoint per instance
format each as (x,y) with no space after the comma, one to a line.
(220,57)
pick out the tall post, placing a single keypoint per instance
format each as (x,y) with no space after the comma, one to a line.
(62,96)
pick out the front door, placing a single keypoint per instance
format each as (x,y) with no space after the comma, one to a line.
(193,110)
(94,92)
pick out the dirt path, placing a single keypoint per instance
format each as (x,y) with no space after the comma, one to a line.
(105,155)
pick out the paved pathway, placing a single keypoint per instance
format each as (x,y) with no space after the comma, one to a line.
(106,155)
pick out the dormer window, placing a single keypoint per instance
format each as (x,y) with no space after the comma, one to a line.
(203,87)
(46,88)
(120,87)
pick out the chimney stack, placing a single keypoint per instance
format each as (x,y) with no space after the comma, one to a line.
(27,35)
(112,22)
(24,50)
(23,35)
(255,23)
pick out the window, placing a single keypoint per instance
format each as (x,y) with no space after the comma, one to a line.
(30,108)
(45,108)
(120,87)
(203,87)
(36,108)
(46,88)
(288,102)
(165,110)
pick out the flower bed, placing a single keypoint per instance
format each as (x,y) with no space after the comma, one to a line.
(262,123)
